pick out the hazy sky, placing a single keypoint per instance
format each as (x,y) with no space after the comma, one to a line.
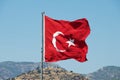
(20,30)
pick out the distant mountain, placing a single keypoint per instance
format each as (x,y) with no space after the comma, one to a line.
(11,69)
(106,73)
(50,73)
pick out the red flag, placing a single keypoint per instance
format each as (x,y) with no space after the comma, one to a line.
(66,39)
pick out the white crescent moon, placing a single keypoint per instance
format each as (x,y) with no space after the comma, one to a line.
(54,40)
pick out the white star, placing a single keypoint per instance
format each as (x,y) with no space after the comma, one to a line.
(70,42)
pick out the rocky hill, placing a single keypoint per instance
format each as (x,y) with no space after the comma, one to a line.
(106,73)
(11,69)
(31,70)
(50,73)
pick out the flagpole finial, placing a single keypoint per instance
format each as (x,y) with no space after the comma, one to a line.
(43,12)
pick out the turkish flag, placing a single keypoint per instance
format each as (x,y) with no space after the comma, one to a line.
(66,39)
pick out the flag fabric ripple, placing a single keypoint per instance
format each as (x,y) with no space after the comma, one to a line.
(65,39)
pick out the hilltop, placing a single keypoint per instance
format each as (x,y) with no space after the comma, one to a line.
(51,73)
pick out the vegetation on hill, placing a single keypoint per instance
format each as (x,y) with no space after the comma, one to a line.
(50,73)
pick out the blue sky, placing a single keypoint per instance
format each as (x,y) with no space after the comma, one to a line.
(20,30)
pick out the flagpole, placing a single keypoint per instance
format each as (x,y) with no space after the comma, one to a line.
(42,49)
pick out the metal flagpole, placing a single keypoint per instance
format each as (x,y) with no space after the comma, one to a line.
(42,49)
